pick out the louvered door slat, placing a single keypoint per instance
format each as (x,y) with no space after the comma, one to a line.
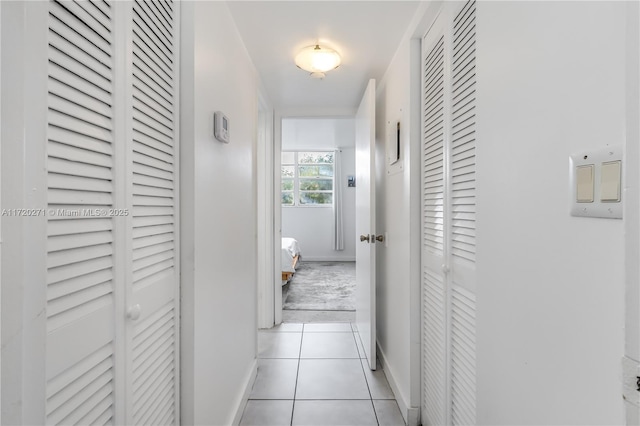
(152,49)
(164,12)
(102,6)
(142,98)
(151,71)
(143,91)
(153,114)
(99,29)
(72,94)
(81,63)
(76,56)
(64,12)
(162,16)
(62,144)
(157,23)
(148,31)
(163,168)
(145,211)
(153,149)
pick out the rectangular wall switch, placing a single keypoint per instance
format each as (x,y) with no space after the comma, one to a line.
(595,183)
(584,184)
(610,182)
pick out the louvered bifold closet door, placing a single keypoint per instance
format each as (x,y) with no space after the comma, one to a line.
(154,209)
(463,217)
(80,244)
(449,218)
(434,342)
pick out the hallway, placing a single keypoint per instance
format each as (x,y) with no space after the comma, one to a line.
(314,374)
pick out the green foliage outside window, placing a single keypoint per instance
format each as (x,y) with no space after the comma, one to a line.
(310,176)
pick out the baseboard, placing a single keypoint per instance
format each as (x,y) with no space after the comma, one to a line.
(327,259)
(411,415)
(251,379)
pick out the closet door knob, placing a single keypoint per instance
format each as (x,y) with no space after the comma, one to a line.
(134,312)
(380,238)
(364,238)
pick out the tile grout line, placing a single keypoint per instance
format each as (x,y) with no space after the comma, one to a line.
(373,407)
(295,389)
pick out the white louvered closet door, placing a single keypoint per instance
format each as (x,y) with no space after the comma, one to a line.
(449,304)
(434,297)
(154,363)
(462,206)
(112,269)
(80,345)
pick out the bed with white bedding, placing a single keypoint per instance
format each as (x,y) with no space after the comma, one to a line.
(290,257)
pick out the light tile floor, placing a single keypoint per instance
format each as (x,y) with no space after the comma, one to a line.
(316,374)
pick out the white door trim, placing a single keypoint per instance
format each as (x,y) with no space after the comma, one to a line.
(265,199)
(279,115)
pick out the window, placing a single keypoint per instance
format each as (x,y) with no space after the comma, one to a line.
(307,178)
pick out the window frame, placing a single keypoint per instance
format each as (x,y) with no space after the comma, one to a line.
(296,179)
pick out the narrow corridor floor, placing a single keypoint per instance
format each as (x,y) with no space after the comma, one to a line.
(317,374)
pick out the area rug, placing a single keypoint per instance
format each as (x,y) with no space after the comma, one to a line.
(322,286)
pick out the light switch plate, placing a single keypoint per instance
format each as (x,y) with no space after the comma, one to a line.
(595,184)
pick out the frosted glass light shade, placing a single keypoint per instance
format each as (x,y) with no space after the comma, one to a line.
(317,60)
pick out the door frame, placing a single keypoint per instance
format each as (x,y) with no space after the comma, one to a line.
(631,215)
(270,308)
(264,196)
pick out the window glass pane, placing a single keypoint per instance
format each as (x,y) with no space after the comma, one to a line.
(315,185)
(288,158)
(287,198)
(287,184)
(315,157)
(308,171)
(288,171)
(325,171)
(307,198)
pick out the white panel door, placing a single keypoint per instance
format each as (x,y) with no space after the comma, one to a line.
(449,218)
(365,223)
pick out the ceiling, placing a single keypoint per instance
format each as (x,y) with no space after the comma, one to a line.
(365,33)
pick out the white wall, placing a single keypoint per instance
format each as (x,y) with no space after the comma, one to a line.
(550,294)
(313,226)
(218,216)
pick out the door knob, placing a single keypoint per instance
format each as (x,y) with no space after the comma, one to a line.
(134,312)
(380,238)
(364,238)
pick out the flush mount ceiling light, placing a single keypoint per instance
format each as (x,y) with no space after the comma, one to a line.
(317,60)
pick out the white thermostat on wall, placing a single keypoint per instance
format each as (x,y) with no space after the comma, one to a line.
(221,127)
